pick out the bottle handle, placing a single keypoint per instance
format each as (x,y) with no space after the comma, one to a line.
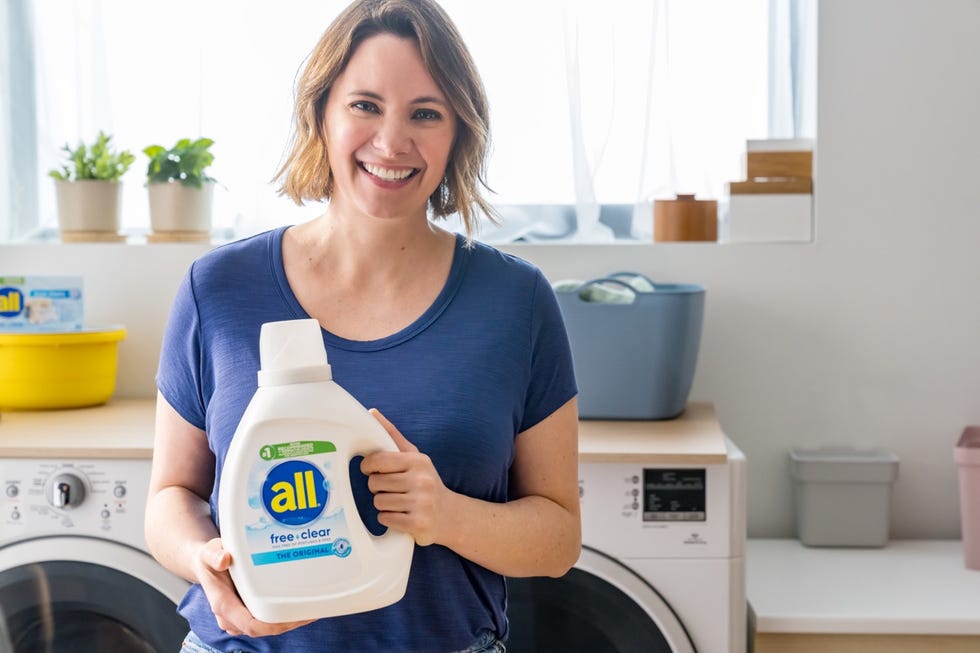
(393,543)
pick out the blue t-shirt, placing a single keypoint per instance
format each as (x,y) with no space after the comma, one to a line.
(487,360)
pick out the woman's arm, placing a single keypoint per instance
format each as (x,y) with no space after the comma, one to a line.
(178,519)
(537,533)
(179,530)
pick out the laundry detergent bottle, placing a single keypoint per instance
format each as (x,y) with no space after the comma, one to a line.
(299,548)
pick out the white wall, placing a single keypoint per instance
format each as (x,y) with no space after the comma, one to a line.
(868,336)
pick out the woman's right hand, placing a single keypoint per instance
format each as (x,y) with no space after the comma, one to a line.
(211,567)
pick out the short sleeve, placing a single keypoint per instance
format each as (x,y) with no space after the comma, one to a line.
(179,372)
(552,378)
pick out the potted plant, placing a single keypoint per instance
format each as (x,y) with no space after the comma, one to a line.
(179,188)
(88,189)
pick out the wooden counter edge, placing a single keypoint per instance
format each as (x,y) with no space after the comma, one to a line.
(651,458)
(113,453)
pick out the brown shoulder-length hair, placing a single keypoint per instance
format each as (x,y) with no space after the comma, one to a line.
(306,173)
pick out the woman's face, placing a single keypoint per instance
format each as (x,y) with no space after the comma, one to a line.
(389,131)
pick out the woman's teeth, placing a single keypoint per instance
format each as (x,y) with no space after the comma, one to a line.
(388,174)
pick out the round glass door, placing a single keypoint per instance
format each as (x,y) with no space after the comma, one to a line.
(599,605)
(79,606)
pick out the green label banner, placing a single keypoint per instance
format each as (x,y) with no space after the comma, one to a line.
(295,449)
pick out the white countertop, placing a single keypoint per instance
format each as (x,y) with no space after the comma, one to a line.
(908,587)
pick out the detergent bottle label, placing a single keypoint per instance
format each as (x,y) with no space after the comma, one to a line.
(292,513)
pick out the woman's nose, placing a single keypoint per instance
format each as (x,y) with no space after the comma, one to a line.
(393,138)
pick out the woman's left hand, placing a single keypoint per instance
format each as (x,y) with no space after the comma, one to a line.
(408,492)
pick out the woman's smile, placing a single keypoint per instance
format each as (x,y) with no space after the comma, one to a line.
(388,175)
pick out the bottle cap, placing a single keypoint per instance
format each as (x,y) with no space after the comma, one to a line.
(292,351)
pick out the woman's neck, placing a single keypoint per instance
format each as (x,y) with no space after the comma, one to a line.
(364,250)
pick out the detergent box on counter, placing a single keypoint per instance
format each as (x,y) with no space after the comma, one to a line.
(41,303)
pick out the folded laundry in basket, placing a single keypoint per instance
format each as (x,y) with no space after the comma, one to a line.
(619,288)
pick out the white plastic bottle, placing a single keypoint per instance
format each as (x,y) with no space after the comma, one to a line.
(299,548)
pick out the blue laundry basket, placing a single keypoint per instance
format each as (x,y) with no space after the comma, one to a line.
(634,360)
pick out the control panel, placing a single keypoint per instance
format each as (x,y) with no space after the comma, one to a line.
(90,497)
(674,494)
(635,510)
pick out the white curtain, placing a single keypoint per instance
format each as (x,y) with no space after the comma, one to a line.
(18,150)
(610,56)
(155,73)
(792,68)
(659,97)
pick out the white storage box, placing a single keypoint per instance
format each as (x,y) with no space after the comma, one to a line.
(769,217)
(843,496)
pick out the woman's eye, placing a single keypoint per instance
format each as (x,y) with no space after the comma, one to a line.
(364,105)
(427,114)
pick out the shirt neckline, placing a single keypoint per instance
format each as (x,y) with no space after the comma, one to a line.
(430,315)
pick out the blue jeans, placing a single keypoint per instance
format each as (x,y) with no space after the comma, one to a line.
(488,643)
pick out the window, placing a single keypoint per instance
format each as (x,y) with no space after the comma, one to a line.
(593,104)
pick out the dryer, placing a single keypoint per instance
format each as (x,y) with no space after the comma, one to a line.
(75,574)
(662,567)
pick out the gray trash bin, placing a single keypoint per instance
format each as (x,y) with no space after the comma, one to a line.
(843,495)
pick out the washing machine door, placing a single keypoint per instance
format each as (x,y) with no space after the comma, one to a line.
(599,605)
(74,595)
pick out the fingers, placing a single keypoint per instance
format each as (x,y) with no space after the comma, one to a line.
(403,502)
(384,462)
(263,629)
(400,440)
(420,479)
(220,558)
(421,532)
(229,611)
(214,555)
(409,501)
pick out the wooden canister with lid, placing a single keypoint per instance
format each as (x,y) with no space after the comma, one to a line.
(685,218)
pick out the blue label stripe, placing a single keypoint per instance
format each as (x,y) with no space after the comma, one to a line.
(52,293)
(304,553)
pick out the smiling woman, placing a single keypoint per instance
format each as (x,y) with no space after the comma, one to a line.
(594,104)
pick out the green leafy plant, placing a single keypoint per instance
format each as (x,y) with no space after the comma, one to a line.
(184,162)
(96,161)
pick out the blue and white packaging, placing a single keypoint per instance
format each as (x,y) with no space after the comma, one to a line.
(41,303)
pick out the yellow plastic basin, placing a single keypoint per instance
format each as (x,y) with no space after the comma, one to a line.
(41,371)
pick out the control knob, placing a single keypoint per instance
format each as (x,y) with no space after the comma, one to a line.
(66,491)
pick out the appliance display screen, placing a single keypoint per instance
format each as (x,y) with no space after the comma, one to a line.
(674,495)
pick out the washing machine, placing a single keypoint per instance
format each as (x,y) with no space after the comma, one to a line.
(662,567)
(75,574)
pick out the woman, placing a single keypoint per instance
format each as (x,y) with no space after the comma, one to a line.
(461,347)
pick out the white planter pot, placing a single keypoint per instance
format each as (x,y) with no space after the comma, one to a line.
(178,208)
(88,205)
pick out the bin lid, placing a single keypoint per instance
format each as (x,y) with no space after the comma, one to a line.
(967,451)
(970,439)
(844,465)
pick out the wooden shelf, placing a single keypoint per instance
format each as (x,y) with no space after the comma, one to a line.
(695,437)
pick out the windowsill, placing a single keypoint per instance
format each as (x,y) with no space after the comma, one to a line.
(216,239)
(51,236)
(548,225)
